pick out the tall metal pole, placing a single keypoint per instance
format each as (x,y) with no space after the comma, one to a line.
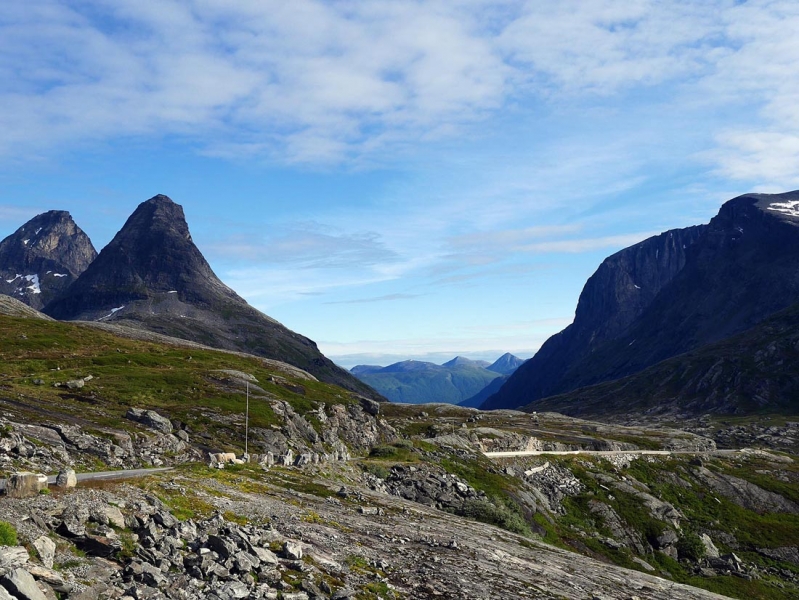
(247,423)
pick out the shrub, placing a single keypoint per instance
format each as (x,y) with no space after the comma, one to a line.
(690,546)
(8,535)
(378,471)
(495,514)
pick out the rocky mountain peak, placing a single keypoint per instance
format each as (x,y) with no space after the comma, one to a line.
(152,255)
(152,276)
(43,257)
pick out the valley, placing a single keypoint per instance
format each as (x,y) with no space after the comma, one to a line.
(602,471)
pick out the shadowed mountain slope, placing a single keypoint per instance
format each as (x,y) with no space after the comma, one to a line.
(668,295)
(152,276)
(43,257)
(756,371)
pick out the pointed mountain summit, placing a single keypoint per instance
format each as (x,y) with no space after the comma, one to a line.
(152,276)
(43,257)
(506,364)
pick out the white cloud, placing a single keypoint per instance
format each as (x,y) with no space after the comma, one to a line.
(313,81)
(323,83)
(605,45)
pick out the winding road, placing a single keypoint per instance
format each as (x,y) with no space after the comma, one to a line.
(122,474)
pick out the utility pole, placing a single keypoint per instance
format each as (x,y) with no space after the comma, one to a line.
(247,424)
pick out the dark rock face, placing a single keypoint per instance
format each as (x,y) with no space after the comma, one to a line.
(624,285)
(756,370)
(697,286)
(152,276)
(43,257)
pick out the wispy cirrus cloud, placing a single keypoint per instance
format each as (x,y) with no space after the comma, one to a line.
(308,248)
(375,299)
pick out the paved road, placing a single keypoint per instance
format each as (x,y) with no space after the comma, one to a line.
(123,474)
(605,452)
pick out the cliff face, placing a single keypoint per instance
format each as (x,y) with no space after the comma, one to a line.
(620,290)
(43,257)
(699,286)
(152,276)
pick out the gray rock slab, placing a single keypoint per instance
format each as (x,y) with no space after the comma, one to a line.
(22,585)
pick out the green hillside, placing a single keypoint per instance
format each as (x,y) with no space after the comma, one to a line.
(185,383)
(415,382)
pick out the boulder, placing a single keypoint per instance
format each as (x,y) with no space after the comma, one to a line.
(292,550)
(52,578)
(76,384)
(12,557)
(22,585)
(234,589)
(25,485)
(149,418)
(66,479)
(114,516)
(710,548)
(46,549)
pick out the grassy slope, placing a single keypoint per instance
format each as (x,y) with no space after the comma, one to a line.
(180,382)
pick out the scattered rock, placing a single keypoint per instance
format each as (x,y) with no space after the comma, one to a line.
(149,418)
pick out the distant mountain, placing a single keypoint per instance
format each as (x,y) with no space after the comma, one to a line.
(152,276)
(506,364)
(670,294)
(43,257)
(360,369)
(419,382)
(461,361)
(756,371)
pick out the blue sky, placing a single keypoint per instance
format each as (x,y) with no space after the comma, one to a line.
(396,178)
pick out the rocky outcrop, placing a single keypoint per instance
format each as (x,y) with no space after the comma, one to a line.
(61,447)
(151,419)
(152,276)
(744,493)
(427,485)
(43,257)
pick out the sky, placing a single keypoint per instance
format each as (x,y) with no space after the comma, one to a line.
(399,179)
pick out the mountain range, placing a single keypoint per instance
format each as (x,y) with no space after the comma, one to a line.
(152,277)
(672,302)
(458,381)
(680,292)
